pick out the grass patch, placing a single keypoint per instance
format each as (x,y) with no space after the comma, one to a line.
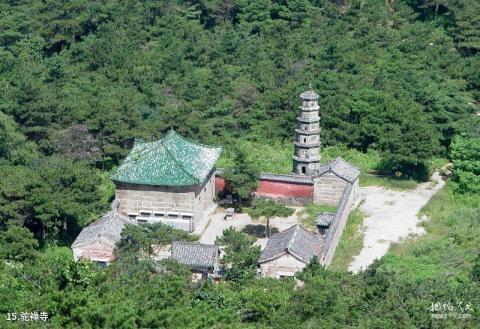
(451,241)
(387,182)
(351,241)
(309,214)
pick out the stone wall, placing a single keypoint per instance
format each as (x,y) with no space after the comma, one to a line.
(328,189)
(133,198)
(192,200)
(204,200)
(338,224)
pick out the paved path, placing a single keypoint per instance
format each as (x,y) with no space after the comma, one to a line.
(390,216)
(217,224)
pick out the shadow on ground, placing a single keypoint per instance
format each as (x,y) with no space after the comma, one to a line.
(258,230)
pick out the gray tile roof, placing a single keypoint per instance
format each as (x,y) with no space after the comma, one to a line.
(290,178)
(296,241)
(324,219)
(341,168)
(109,227)
(198,256)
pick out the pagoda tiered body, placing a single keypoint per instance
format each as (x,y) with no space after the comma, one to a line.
(306,157)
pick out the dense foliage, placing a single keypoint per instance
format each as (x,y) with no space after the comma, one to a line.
(241,256)
(465,154)
(400,77)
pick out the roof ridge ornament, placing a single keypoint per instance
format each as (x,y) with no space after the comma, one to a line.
(295,230)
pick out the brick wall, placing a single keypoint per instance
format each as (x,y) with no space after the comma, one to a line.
(328,189)
(96,251)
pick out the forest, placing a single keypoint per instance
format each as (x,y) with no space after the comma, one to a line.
(80,80)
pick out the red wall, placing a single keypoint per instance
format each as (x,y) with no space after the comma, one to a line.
(274,188)
(219,184)
(284,188)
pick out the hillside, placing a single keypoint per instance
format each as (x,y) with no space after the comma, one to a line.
(80,80)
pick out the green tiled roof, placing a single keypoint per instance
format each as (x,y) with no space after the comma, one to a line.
(171,161)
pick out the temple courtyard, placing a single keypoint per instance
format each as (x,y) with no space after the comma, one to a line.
(390,216)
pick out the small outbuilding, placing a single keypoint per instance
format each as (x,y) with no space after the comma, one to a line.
(289,252)
(96,241)
(323,221)
(203,259)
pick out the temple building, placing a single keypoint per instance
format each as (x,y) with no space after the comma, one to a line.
(289,252)
(202,259)
(334,183)
(170,180)
(310,181)
(97,241)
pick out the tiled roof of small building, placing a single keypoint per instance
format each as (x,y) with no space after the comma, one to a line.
(341,168)
(296,241)
(324,219)
(198,256)
(290,178)
(109,227)
(170,161)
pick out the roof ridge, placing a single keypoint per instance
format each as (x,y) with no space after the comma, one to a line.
(180,164)
(347,162)
(292,239)
(108,223)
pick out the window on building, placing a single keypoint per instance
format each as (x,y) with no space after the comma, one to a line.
(304,140)
(132,215)
(142,221)
(304,170)
(159,214)
(187,217)
(173,215)
(145,213)
(101,264)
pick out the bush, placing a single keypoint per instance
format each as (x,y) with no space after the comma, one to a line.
(465,154)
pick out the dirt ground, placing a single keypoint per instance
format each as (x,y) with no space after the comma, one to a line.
(391,216)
